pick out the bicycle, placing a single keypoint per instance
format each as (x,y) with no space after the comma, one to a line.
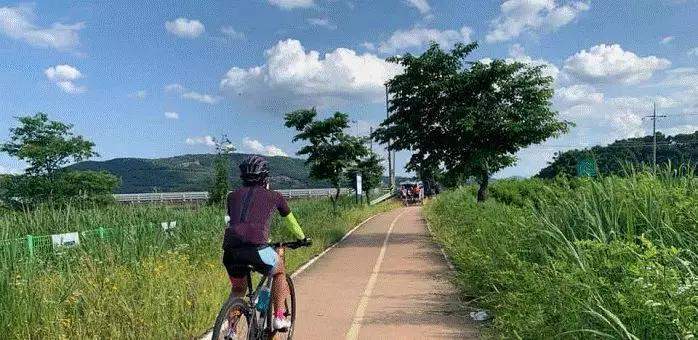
(241,315)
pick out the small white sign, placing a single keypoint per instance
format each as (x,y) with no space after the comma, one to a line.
(168,226)
(359,190)
(67,240)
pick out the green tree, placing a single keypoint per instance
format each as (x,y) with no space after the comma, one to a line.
(221,170)
(330,150)
(371,170)
(469,117)
(46,145)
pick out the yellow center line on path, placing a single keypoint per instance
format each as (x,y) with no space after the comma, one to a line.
(353,332)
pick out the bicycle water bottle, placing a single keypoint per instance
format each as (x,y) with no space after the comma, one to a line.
(263,299)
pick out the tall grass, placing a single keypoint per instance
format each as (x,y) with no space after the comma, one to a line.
(137,282)
(579,258)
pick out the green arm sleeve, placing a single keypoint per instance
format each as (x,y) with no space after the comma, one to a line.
(293,225)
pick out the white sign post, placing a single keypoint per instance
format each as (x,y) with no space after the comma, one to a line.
(168,227)
(68,240)
(359,190)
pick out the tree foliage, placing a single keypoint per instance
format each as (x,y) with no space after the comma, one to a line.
(46,145)
(330,150)
(614,158)
(371,170)
(468,118)
(221,170)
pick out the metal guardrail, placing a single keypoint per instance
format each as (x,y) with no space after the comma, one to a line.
(382,198)
(200,196)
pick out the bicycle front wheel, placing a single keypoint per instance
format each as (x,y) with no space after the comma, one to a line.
(232,321)
(290,313)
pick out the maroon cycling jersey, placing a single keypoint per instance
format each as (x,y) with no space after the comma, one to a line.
(250,210)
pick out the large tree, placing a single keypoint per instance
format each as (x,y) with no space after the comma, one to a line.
(330,150)
(46,145)
(469,117)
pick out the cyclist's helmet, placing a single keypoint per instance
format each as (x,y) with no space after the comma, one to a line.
(254,170)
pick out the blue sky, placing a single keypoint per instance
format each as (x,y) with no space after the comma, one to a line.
(152,80)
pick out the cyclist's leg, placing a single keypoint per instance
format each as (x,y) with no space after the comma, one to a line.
(236,265)
(279,289)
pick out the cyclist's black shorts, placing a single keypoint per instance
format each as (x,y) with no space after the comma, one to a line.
(238,261)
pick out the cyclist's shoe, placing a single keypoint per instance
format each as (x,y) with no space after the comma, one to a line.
(282,324)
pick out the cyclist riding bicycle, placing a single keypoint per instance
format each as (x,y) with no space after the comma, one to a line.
(245,243)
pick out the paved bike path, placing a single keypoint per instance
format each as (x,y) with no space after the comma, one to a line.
(387,280)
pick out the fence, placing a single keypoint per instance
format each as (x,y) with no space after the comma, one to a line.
(202,196)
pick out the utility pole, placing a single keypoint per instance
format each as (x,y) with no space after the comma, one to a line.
(370,139)
(654,135)
(391,155)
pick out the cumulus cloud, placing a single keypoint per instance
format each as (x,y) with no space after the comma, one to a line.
(680,129)
(610,63)
(17,23)
(693,52)
(250,145)
(577,94)
(192,95)
(519,16)
(291,4)
(292,76)
(420,37)
(203,140)
(517,53)
(185,28)
(231,33)
(64,76)
(141,94)
(666,40)
(321,22)
(421,5)
(171,115)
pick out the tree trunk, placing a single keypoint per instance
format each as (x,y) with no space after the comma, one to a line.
(484,183)
(334,199)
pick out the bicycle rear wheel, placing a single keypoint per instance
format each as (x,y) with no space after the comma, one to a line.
(234,318)
(290,313)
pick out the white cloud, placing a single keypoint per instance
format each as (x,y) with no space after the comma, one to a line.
(64,76)
(292,77)
(254,146)
(577,94)
(192,95)
(291,4)
(203,140)
(681,129)
(420,37)
(421,5)
(231,33)
(517,53)
(8,170)
(322,23)
(693,52)
(185,28)
(171,115)
(666,40)
(139,94)
(610,63)
(17,23)
(519,16)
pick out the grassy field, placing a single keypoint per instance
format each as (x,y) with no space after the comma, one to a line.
(614,257)
(135,281)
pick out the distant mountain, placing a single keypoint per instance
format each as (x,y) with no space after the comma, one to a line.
(614,158)
(194,173)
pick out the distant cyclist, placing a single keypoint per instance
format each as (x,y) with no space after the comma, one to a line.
(250,209)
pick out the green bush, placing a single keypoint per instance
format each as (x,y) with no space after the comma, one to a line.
(61,188)
(578,258)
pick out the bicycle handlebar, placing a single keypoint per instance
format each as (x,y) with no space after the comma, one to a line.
(292,245)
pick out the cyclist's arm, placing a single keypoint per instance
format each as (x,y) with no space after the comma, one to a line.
(293,226)
(289,219)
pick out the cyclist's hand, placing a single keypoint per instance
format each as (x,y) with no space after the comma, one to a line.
(306,242)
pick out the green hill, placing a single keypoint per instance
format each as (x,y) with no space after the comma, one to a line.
(613,158)
(194,173)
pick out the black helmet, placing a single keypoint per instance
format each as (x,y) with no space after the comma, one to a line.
(254,170)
